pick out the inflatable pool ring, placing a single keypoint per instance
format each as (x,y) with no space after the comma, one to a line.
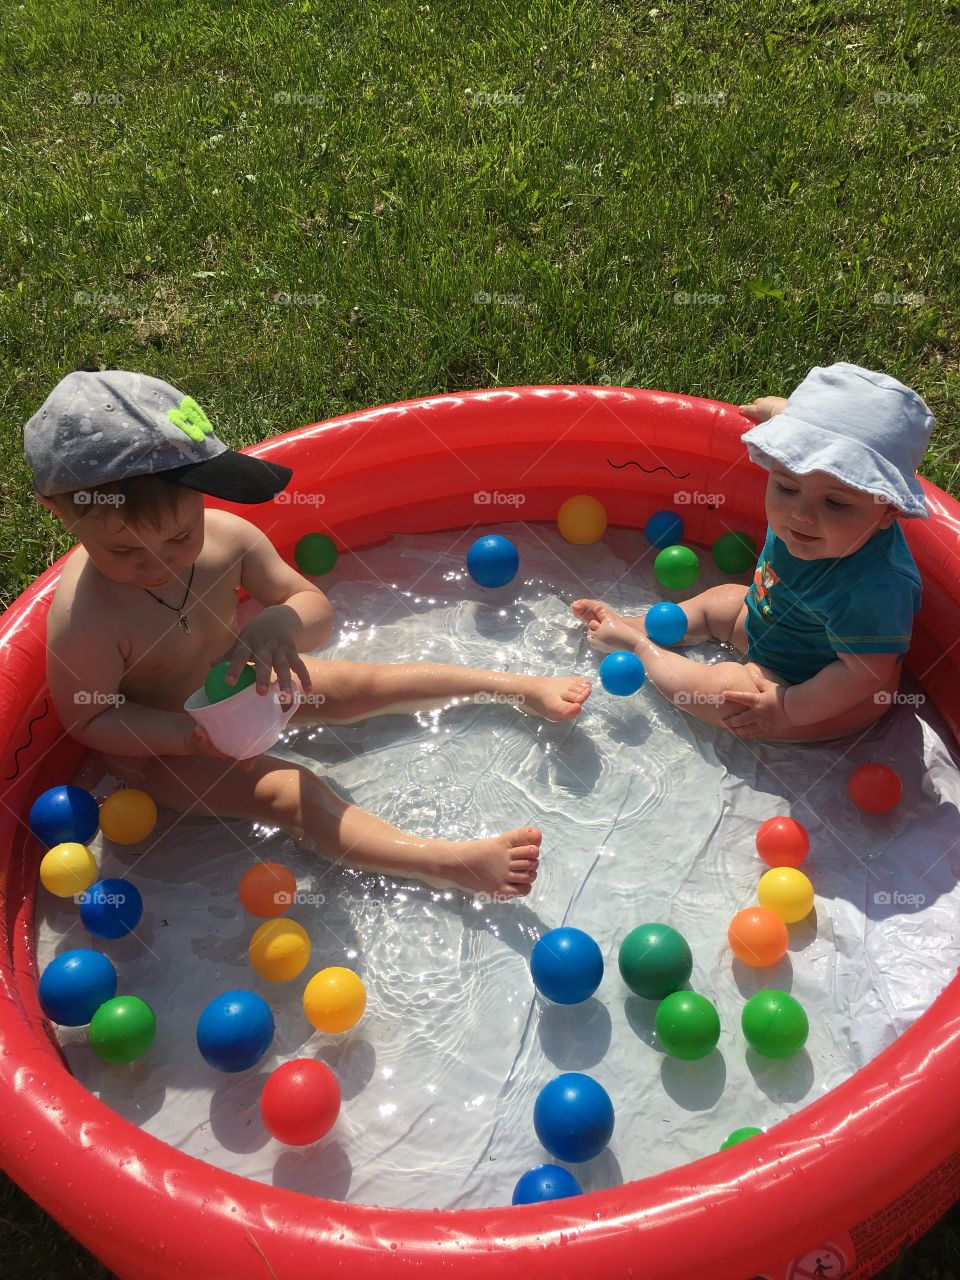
(869,1164)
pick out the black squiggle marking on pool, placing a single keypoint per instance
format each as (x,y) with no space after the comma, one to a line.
(618,466)
(23,746)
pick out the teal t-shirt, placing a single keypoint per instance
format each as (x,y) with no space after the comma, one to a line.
(802,613)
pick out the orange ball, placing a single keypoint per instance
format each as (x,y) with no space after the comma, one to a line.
(268,890)
(782,842)
(758,937)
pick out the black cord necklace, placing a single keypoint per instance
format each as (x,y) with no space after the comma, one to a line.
(182,620)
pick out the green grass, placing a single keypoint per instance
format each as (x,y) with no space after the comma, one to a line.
(791,169)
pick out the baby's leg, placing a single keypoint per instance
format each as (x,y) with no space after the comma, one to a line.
(695,687)
(711,615)
(277,794)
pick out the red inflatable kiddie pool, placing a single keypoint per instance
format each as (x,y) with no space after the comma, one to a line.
(845,1180)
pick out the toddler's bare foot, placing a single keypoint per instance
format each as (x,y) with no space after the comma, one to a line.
(555,697)
(607,630)
(504,865)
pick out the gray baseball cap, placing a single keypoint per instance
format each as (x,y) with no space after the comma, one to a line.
(99,426)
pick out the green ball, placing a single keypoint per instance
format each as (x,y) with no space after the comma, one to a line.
(654,961)
(676,568)
(216,688)
(687,1025)
(734,552)
(315,553)
(122,1029)
(739,1135)
(774,1024)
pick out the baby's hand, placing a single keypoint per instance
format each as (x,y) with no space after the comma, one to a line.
(268,642)
(763,408)
(764,715)
(200,744)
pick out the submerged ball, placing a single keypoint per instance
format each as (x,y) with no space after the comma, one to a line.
(300,1102)
(734,552)
(782,842)
(676,568)
(545,1182)
(566,966)
(111,908)
(582,519)
(279,950)
(664,529)
(122,1029)
(622,673)
(334,999)
(787,892)
(64,815)
(235,1030)
(573,1117)
(758,937)
(267,890)
(74,985)
(315,554)
(216,688)
(67,869)
(665,623)
(875,788)
(493,561)
(127,815)
(655,960)
(774,1024)
(687,1025)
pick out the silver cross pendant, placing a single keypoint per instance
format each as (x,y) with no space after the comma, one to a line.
(183,622)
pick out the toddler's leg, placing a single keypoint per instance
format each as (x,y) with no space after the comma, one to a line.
(711,615)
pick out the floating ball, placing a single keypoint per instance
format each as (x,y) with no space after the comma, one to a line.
(622,673)
(734,553)
(664,529)
(216,688)
(235,1030)
(128,815)
(566,965)
(111,908)
(300,1102)
(64,815)
(687,1025)
(334,999)
(493,561)
(774,1024)
(74,986)
(279,950)
(573,1117)
(122,1029)
(676,568)
(787,892)
(315,554)
(545,1182)
(267,890)
(782,842)
(67,869)
(665,623)
(654,961)
(582,519)
(739,1135)
(875,788)
(758,937)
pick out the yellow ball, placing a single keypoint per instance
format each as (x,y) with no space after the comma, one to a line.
(787,893)
(582,519)
(334,999)
(68,869)
(280,949)
(128,815)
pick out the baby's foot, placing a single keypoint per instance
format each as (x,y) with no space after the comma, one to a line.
(555,697)
(592,610)
(606,629)
(505,865)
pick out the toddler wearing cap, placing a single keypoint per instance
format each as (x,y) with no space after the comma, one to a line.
(147,604)
(828,617)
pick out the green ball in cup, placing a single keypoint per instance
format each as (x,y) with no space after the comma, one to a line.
(655,960)
(216,688)
(315,554)
(676,568)
(734,552)
(122,1029)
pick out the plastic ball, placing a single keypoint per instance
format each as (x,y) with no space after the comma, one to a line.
(64,815)
(279,950)
(573,1117)
(235,1030)
(122,1029)
(787,892)
(267,890)
(300,1102)
(74,986)
(127,815)
(315,554)
(676,568)
(774,1024)
(566,965)
(782,842)
(758,937)
(665,623)
(582,519)
(334,999)
(875,788)
(545,1182)
(664,529)
(739,1135)
(734,552)
(687,1025)
(622,673)
(111,908)
(655,960)
(493,561)
(67,869)
(216,688)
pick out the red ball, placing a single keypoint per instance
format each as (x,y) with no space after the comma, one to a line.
(875,788)
(782,842)
(300,1102)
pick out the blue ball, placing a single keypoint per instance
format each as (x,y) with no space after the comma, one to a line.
(235,1030)
(621,673)
(545,1182)
(74,986)
(64,815)
(664,529)
(573,1117)
(665,623)
(111,908)
(493,561)
(566,966)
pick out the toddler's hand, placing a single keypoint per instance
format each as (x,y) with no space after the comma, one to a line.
(764,715)
(267,641)
(763,408)
(200,744)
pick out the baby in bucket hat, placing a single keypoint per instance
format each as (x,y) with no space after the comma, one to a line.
(828,617)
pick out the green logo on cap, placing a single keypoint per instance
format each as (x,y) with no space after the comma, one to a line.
(191,419)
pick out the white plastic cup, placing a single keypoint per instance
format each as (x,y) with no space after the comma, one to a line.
(245,723)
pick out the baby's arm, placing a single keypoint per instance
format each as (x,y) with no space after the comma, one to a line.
(764,408)
(838,687)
